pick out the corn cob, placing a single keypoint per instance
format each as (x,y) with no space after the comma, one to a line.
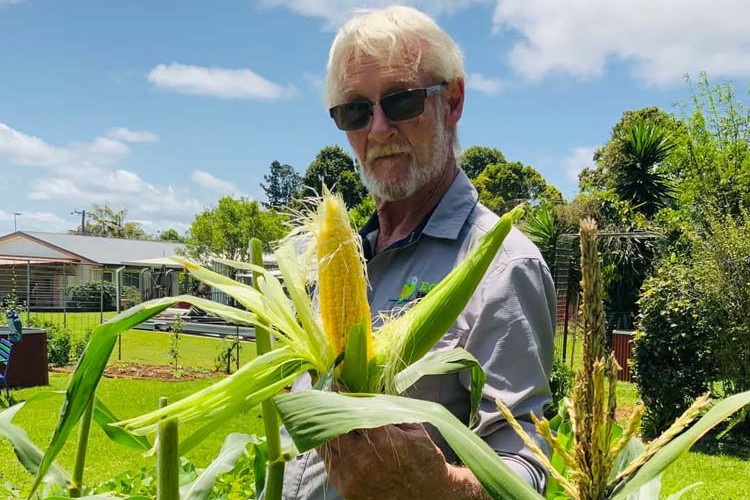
(341,278)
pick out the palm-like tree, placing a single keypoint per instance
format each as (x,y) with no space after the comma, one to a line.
(646,145)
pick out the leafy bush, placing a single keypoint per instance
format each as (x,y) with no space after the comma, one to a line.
(722,265)
(58,345)
(560,383)
(673,347)
(79,345)
(92,296)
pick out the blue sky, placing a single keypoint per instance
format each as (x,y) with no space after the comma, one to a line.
(163,106)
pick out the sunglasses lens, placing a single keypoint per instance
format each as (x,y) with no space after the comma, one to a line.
(352,115)
(404,105)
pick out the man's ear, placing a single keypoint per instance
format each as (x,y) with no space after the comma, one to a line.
(455,91)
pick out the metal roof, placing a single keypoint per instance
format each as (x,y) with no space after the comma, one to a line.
(102,250)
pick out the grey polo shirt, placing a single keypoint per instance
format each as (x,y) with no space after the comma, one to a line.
(508,325)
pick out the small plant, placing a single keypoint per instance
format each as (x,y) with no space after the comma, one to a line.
(229,354)
(560,383)
(59,345)
(174,342)
(79,345)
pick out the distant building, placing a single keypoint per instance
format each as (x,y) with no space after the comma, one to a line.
(39,266)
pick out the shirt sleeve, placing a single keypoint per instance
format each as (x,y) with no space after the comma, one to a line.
(511,330)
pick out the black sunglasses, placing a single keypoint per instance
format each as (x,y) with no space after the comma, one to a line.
(399,106)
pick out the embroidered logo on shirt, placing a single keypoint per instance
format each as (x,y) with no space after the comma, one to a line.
(414,289)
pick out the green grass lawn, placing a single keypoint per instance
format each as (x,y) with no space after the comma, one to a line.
(126,398)
(724,477)
(140,346)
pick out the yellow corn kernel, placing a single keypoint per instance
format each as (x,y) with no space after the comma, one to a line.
(342,288)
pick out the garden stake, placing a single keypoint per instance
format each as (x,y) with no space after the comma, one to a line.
(264,344)
(76,482)
(167,468)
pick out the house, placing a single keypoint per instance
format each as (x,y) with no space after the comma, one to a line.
(39,267)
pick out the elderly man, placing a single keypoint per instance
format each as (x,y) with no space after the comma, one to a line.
(396,87)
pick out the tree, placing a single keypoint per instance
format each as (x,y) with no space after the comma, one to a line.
(336,168)
(360,214)
(612,156)
(645,146)
(171,235)
(502,186)
(474,159)
(109,223)
(283,185)
(225,231)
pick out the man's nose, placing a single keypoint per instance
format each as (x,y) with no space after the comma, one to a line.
(380,126)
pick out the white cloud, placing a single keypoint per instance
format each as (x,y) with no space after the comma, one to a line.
(336,12)
(32,221)
(87,173)
(662,40)
(212,183)
(580,158)
(10,2)
(484,84)
(25,149)
(125,134)
(217,82)
(105,148)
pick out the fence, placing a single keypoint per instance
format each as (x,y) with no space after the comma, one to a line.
(77,296)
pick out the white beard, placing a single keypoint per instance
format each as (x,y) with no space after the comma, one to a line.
(418,175)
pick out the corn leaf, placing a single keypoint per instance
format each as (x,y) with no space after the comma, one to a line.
(314,418)
(28,454)
(669,453)
(441,362)
(246,295)
(253,383)
(678,495)
(231,450)
(103,416)
(90,367)
(294,280)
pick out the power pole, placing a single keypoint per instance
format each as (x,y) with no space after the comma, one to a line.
(15,220)
(83,220)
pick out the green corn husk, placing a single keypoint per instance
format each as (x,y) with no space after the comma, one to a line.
(401,342)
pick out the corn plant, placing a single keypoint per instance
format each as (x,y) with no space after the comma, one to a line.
(335,344)
(593,459)
(592,463)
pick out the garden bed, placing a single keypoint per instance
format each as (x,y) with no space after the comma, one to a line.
(164,373)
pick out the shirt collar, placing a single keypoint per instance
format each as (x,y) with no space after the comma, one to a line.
(445,221)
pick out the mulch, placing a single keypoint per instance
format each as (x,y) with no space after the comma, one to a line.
(150,372)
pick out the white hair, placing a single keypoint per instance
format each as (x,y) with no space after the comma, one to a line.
(394,34)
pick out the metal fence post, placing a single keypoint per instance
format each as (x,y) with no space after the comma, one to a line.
(101,300)
(117,295)
(28,292)
(64,297)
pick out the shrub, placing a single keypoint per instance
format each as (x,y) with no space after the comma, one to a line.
(92,296)
(722,265)
(673,347)
(560,383)
(58,345)
(79,345)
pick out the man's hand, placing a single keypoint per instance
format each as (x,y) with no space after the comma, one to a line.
(395,462)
